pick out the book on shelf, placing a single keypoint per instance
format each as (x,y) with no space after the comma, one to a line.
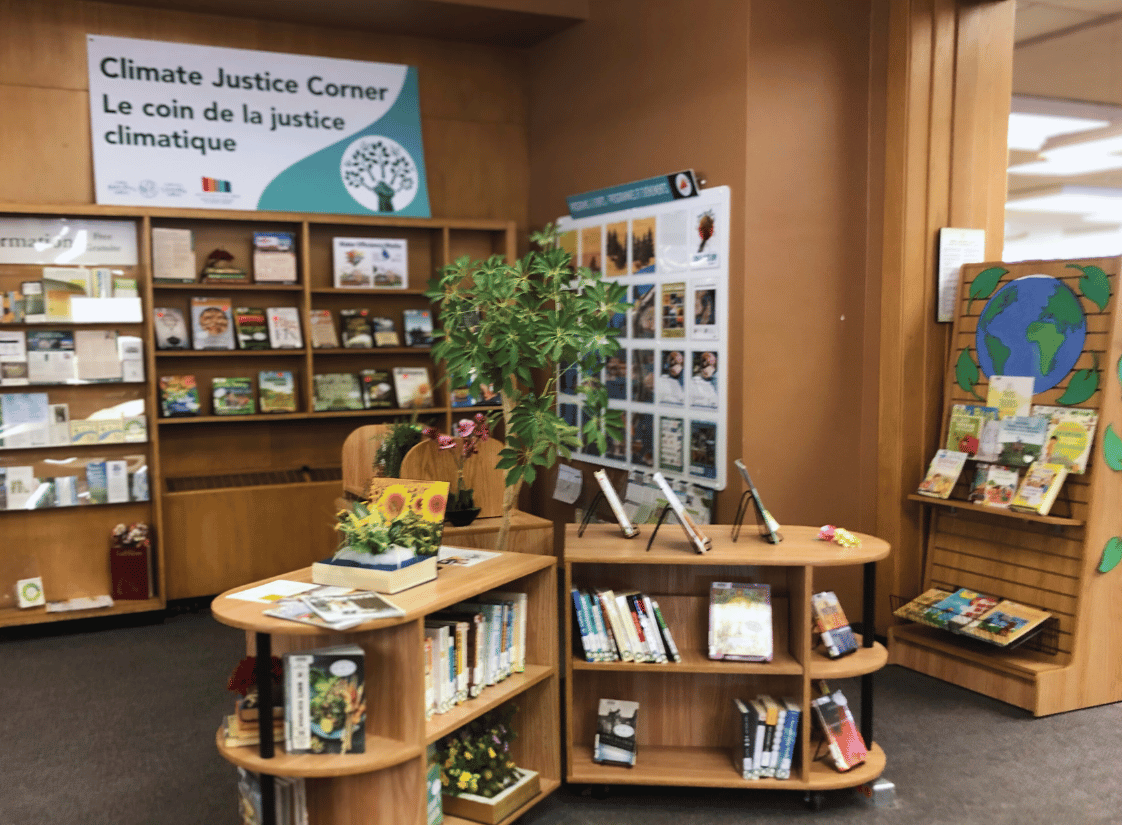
(831,624)
(1039,488)
(96,357)
(385,332)
(700,542)
(171,328)
(377,389)
(323,334)
(325,700)
(179,396)
(1005,623)
(442,663)
(337,391)
(744,753)
(460,397)
(355,331)
(274,257)
(612,497)
(615,739)
(289,797)
(1070,435)
(994,485)
(13,358)
(276,391)
(130,352)
(58,290)
(284,327)
(740,626)
(1021,440)
(11,307)
(983,616)
(370,263)
(1011,395)
(173,256)
(413,387)
(965,425)
(769,527)
(942,473)
(418,327)
(836,723)
(232,396)
(50,356)
(239,733)
(34,309)
(664,630)
(212,323)
(252,330)
(790,736)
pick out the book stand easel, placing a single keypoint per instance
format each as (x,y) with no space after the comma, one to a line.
(596,499)
(742,511)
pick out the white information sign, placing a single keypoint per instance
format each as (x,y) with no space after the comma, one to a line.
(956,247)
(71,242)
(180,125)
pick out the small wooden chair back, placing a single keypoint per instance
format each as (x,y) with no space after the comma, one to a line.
(358,457)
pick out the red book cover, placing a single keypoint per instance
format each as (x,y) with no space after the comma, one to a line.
(128,572)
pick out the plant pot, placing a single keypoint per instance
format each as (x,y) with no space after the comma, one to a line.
(462,518)
(497,808)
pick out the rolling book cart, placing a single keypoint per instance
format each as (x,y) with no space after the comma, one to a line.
(682,740)
(386,784)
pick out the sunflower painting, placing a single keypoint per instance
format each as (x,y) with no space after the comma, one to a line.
(397,513)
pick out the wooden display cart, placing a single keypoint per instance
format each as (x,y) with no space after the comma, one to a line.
(688,724)
(1049,562)
(386,784)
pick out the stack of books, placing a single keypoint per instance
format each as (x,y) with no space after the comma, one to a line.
(770,727)
(622,626)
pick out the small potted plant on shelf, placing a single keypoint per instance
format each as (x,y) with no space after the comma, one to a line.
(401,438)
(390,540)
(478,776)
(505,325)
(470,433)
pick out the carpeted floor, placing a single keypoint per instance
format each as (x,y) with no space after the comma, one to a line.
(113,724)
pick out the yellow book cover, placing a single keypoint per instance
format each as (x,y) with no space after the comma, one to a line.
(1039,488)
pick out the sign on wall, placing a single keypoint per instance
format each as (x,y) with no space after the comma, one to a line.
(70,241)
(205,127)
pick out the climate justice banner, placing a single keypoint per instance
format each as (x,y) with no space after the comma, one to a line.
(206,127)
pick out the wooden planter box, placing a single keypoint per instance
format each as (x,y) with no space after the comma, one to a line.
(496,809)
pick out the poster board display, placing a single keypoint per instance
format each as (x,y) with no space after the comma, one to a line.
(669,378)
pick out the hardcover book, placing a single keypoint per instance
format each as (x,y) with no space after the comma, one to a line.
(964,428)
(418,327)
(325,700)
(1006,623)
(337,391)
(614,742)
(385,332)
(323,332)
(179,395)
(212,325)
(740,622)
(276,391)
(1021,440)
(284,327)
(836,722)
(356,331)
(1039,488)
(413,387)
(252,331)
(942,473)
(232,396)
(171,328)
(922,608)
(1071,432)
(831,624)
(377,389)
(274,257)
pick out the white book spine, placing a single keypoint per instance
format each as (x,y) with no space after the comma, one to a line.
(612,497)
(299,736)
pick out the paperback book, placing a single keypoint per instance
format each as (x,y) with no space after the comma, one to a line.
(212,325)
(385,332)
(982,616)
(831,624)
(700,542)
(171,328)
(284,328)
(356,332)
(1071,432)
(837,725)
(325,700)
(276,391)
(179,395)
(413,387)
(1039,488)
(614,742)
(1021,440)
(377,389)
(942,474)
(740,622)
(323,333)
(1011,395)
(337,391)
(252,331)
(994,485)
(359,607)
(418,327)
(965,425)
(274,257)
(232,396)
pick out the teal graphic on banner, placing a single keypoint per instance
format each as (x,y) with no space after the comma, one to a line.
(381,169)
(661,189)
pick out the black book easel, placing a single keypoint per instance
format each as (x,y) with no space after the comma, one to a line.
(761,519)
(596,499)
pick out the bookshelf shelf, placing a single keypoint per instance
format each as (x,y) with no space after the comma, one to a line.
(229,353)
(999,512)
(355,787)
(366,293)
(692,743)
(202,288)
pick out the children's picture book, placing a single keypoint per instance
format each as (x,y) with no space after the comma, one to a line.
(922,608)
(1010,394)
(831,624)
(1039,488)
(1021,439)
(323,332)
(413,387)
(284,327)
(998,486)
(614,742)
(276,391)
(385,332)
(1006,623)
(965,425)
(740,622)
(1071,432)
(371,263)
(179,395)
(957,609)
(325,700)
(337,391)
(212,323)
(232,396)
(252,331)
(274,257)
(377,389)
(612,497)
(171,328)
(981,615)
(418,327)
(356,332)
(942,473)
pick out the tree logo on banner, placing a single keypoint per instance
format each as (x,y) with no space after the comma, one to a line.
(379,173)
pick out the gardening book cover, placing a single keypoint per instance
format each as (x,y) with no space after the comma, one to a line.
(337,391)
(1071,432)
(171,328)
(958,609)
(212,323)
(413,387)
(942,473)
(324,335)
(284,327)
(232,396)
(274,257)
(964,429)
(179,395)
(276,391)
(325,700)
(1021,440)
(740,622)
(1039,488)
(377,389)
(356,332)
(251,329)
(614,742)
(1000,485)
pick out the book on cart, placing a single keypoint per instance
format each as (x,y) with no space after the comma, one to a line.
(831,624)
(615,741)
(740,621)
(325,700)
(836,723)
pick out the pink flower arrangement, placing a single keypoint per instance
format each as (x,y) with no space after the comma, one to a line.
(470,433)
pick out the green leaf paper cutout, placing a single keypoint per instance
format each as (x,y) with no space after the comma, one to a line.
(1112,554)
(1120,370)
(966,373)
(1082,385)
(984,283)
(1112,449)
(1095,285)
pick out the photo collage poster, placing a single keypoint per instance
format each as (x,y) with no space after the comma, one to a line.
(669,377)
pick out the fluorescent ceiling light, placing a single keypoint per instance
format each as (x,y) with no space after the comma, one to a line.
(1095,203)
(1028,132)
(1097,150)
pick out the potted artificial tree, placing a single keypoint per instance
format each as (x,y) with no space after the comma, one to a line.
(510,326)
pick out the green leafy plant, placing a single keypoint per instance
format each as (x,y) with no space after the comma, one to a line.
(401,438)
(509,324)
(476,759)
